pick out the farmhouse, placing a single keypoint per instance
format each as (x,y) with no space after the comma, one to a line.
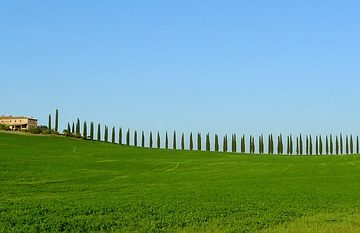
(18,123)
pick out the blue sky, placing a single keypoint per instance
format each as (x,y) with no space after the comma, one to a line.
(209,66)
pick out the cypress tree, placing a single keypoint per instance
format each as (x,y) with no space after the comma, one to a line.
(301,145)
(297,145)
(341,144)
(73,128)
(317,146)
(191,143)
(85,130)
(216,143)
(128,137)
(207,142)
(331,145)
(174,141)
(260,145)
(150,140)
(351,145)
(233,143)
(327,145)
(158,141)
(243,144)
(113,135)
(120,136)
(288,145)
(320,146)
(357,145)
(135,138)
(142,138)
(49,124)
(91,131)
(182,141)
(166,141)
(106,134)
(291,145)
(99,133)
(347,145)
(199,141)
(57,121)
(278,145)
(337,146)
(307,145)
(78,127)
(225,144)
(310,145)
(68,129)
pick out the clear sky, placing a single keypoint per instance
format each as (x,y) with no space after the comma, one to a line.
(209,66)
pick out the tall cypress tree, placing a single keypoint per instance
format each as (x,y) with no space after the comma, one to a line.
(327,145)
(300,145)
(216,143)
(182,141)
(225,144)
(191,143)
(150,140)
(57,121)
(351,145)
(49,123)
(310,145)
(166,141)
(341,144)
(158,141)
(85,130)
(174,141)
(78,127)
(106,134)
(68,130)
(128,137)
(199,141)
(291,145)
(243,146)
(260,145)
(317,146)
(91,131)
(233,143)
(113,135)
(337,146)
(135,138)
(297,146)
(142,138)
(120,136)
(320,146)
(331,149)
(307,145)
(99,133)
(357,145)
(207,143)
(347,145)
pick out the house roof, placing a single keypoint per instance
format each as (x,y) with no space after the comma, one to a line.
(16,117)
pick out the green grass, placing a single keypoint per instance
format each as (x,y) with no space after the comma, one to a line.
(63,184)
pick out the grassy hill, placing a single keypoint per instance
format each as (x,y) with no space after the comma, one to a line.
(63,184)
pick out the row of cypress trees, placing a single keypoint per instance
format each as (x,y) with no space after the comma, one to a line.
(319,145)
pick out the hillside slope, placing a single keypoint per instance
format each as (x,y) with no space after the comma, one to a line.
(63,184)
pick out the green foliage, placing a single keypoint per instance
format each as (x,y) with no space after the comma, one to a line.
(106,134)
(142,139)
(135,138)
(85,130)
(151,140)
(128,137)
(4,127)
(92,131)
(207,142)
(216,142)
(199,141)
(120,136)
(77,126)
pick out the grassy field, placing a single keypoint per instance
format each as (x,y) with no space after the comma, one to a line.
(63,184)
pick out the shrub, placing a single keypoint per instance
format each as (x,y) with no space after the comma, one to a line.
(4,127)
